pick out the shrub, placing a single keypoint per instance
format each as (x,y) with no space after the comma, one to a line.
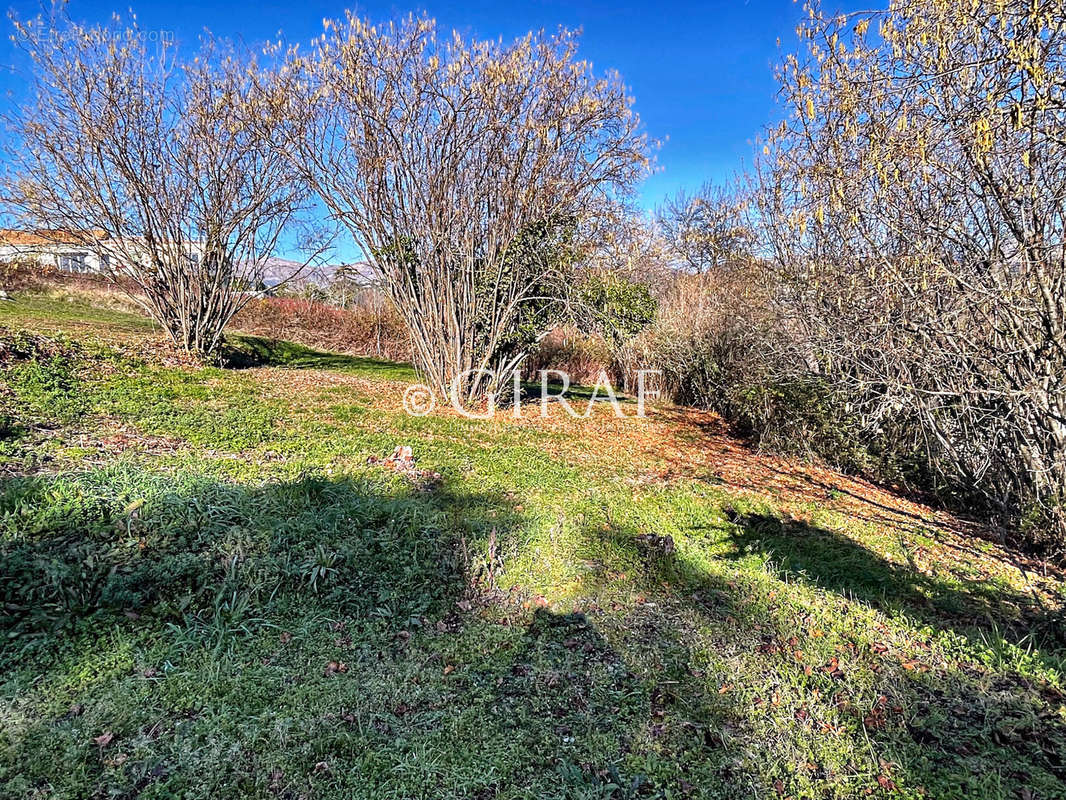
(712,333)
(370,327)
(615,307)
(581,356)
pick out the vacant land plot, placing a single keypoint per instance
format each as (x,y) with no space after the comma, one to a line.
(208,591)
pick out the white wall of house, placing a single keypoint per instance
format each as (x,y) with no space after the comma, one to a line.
(65,257)
(74,257)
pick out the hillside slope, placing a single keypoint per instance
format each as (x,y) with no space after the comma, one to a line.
(213,586)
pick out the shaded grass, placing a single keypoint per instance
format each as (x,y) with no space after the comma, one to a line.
(244,351)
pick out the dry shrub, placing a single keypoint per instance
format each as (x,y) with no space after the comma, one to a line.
(25,274)
(713,331)
(566,349)
(370,327)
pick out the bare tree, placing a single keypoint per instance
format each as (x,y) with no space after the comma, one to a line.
(706,231)
(162,166)
(468,172)
(915,204)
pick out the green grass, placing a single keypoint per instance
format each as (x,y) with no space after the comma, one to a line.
(70,312)
(200,567)
(252,351)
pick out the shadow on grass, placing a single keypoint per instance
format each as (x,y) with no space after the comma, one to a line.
(307,636)
(312,637)
(800,552)
(120,542)
(868,720)
(245,352)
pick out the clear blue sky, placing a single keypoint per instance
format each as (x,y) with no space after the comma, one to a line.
(701,73)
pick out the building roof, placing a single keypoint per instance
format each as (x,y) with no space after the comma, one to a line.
(43,238)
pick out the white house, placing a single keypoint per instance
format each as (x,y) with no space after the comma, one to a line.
(63,250)
(85,252)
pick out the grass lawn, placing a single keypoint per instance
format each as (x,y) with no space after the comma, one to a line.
(208,591)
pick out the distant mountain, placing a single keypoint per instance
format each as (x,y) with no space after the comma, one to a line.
(277,270)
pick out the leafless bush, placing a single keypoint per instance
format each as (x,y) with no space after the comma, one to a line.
(914,205)
(469,172)
(581,356)
(163,168)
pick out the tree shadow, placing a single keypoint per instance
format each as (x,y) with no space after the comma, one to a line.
(121,543)
(948,728)
(334,608)
(341,611)
(243,351)
(797,551)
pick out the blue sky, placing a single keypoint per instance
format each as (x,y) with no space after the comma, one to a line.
(701,73)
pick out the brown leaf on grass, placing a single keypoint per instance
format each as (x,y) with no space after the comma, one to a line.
(402,461)
(449,669)
(768,647)
(334,667)
(875,719)
(104,739)
(832,669)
